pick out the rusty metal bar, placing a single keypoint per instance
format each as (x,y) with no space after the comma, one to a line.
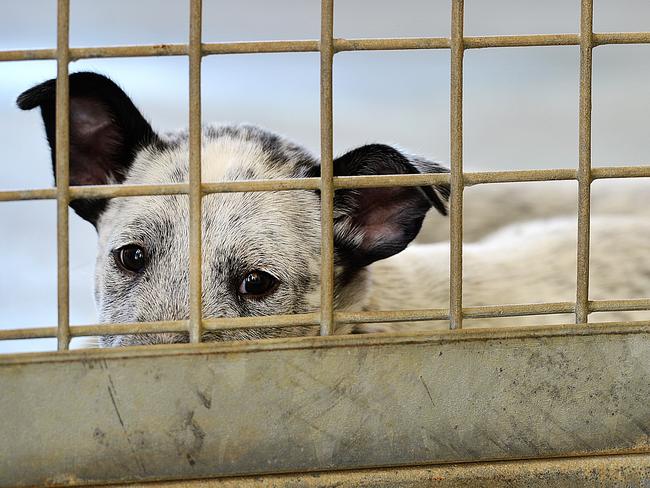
(607,328)
(257,47)
(620,172)
(471,179)
(456,162)
(309,45)
(370,181)
(630,304)
(62,173)
(209,324)
(28,333)
(604,38)
(533,40)
(327,324)
(306,319)
(195,194)
(493,311)
(405,43)
(584,165)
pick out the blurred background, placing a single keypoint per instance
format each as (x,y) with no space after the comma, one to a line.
(520,104)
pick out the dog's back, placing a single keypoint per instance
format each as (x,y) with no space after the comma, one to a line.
(528,262)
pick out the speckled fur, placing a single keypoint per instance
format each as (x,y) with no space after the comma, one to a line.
(530,262)
(280,231)
(241,232)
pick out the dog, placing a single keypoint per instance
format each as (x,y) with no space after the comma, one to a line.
(261,250)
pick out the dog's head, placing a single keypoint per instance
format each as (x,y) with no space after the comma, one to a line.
(261,250)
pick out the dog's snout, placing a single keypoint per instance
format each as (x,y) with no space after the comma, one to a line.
(152,339)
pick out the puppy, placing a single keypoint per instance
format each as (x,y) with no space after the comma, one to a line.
(261,250)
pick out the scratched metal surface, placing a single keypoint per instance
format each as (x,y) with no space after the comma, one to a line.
(323,403)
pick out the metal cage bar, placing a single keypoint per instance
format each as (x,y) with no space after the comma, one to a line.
(370,181)
(62,173)
(297,320)
(378,44)
(195,193)
(584,164)
(456,179)
(326,46)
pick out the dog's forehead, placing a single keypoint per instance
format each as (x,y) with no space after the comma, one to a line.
(229,152)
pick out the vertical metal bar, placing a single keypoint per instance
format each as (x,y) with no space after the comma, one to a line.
(327,170)
(62,140)
(456,178)
(195,53)
(584,164)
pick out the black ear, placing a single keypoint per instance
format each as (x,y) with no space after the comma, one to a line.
(375,223)
(106,131)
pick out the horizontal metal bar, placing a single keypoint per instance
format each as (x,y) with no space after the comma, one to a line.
(632,304)
(27,54)
(519,176)
(373,317)
(296,320)
(340,45)
(356,340)
(18,195)
(129,51)
(342,317)
(492,311)
(28,333)
(340,182)
(220,323)
(404,43)
(603,172)
(255,47)
(483,311)
(480,42)
(558,174)
(603,38)
(261,185)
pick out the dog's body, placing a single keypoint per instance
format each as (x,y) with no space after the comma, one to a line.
(532,262)
(261,250)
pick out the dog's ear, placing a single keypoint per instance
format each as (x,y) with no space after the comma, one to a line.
(106,131)
(375,223)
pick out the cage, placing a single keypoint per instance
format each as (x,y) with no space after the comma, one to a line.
(314,410)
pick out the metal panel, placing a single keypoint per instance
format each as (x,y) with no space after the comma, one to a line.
(323,403)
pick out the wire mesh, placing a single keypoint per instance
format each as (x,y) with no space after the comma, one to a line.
(327,46)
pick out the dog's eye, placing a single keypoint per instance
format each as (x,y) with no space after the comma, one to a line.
(257,284)
(131,258)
